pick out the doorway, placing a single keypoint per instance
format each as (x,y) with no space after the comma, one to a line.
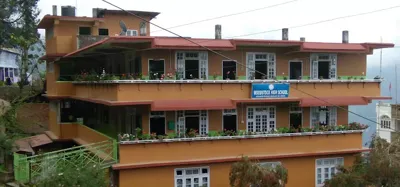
(295,116)
(157,123)
(295,70)
(229,118)
(229,70)
(261,118)
(323,69)
(192,69)
(261,69)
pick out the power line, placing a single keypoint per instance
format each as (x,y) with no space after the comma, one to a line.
(227,15)
(318,22)
(219,54)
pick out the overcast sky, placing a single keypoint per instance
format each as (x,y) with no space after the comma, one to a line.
(365,28)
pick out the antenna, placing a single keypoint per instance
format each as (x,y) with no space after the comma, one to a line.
(123,27)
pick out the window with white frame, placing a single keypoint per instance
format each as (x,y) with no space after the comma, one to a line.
(192,177)
(326,168)
(385,122)
(323,66)
(131,33)
(323,115)
(270,164)
(261,66)
(192,120)
(192,65)
(261,118)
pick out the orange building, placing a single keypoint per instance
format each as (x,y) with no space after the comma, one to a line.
(185,114)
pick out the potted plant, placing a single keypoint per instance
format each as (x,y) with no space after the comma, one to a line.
(215,76)
(171,135)
(146,137)
(339,78)
(285,78)
(192,133)
(321,77)
(153,136)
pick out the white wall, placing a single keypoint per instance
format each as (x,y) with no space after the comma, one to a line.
(8,62)
(384,109)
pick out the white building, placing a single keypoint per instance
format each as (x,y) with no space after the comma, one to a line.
(385,120)
(8,65)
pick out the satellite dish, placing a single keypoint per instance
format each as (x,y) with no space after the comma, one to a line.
(123,26)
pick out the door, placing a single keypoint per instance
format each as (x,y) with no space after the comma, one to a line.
(261,119)
(295,70)
(229,118)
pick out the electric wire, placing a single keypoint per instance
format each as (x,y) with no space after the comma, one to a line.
(227,15)
(226,57)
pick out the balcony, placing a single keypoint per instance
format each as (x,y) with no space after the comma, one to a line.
(146,153)
(148,90)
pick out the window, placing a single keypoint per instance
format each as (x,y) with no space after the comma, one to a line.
(16,72)
(229,119)
(131,33)
(261,119)
(229,70)
(192,65)
(270,164)
(156,69)
(2,78)
(85,31)
(323,66)
(103,32)
(192,119)
(6,72)
(326,169)
(142,27)
(157,123)
(295,116)
(385,122)
(323,116)
(192,177)
(260,66)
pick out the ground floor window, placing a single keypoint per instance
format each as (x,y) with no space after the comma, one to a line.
(326,168)
(229,119)
(192,177)
(323,116)
(157,123)
(261,118)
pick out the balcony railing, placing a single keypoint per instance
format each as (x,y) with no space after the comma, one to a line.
(86,40)
(228,147)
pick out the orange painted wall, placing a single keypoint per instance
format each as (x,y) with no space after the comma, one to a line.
(167,55)
(352,65)
(301,172)
(106,91)
(53,122)
(178,151)
(129,92)
(215,118)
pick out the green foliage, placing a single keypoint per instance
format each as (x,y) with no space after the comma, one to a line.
(379,168)
(75,174)
(213,133)
(172,135)
(247,173)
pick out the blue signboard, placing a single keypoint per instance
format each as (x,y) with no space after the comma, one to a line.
(269,90)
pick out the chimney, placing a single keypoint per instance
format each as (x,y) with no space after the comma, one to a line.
(54,10)
(345,37)
(218,34)
(302,39)
(94,12)
(285,34)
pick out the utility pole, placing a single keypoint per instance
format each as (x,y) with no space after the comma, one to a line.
(397,109)
(380,63)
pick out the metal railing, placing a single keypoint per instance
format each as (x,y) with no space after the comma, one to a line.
(31,168)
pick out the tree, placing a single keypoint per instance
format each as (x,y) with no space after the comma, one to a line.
(379,168)
(18,18)
(245,173)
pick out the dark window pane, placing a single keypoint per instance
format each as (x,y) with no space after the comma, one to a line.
(103,32)
(85,31)
(156,68)
(229,70)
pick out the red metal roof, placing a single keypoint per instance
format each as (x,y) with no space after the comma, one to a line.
(312,46)
(180,43)
(195,104)
(48,20)
(333,101)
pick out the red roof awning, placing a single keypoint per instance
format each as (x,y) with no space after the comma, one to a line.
(198,104)
(333,101)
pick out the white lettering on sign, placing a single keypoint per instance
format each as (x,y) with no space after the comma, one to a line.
(270,92)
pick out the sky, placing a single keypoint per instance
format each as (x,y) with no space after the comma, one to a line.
(373,27)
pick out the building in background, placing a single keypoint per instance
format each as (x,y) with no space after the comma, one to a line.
(9,65)
(107,76)
(388,120)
